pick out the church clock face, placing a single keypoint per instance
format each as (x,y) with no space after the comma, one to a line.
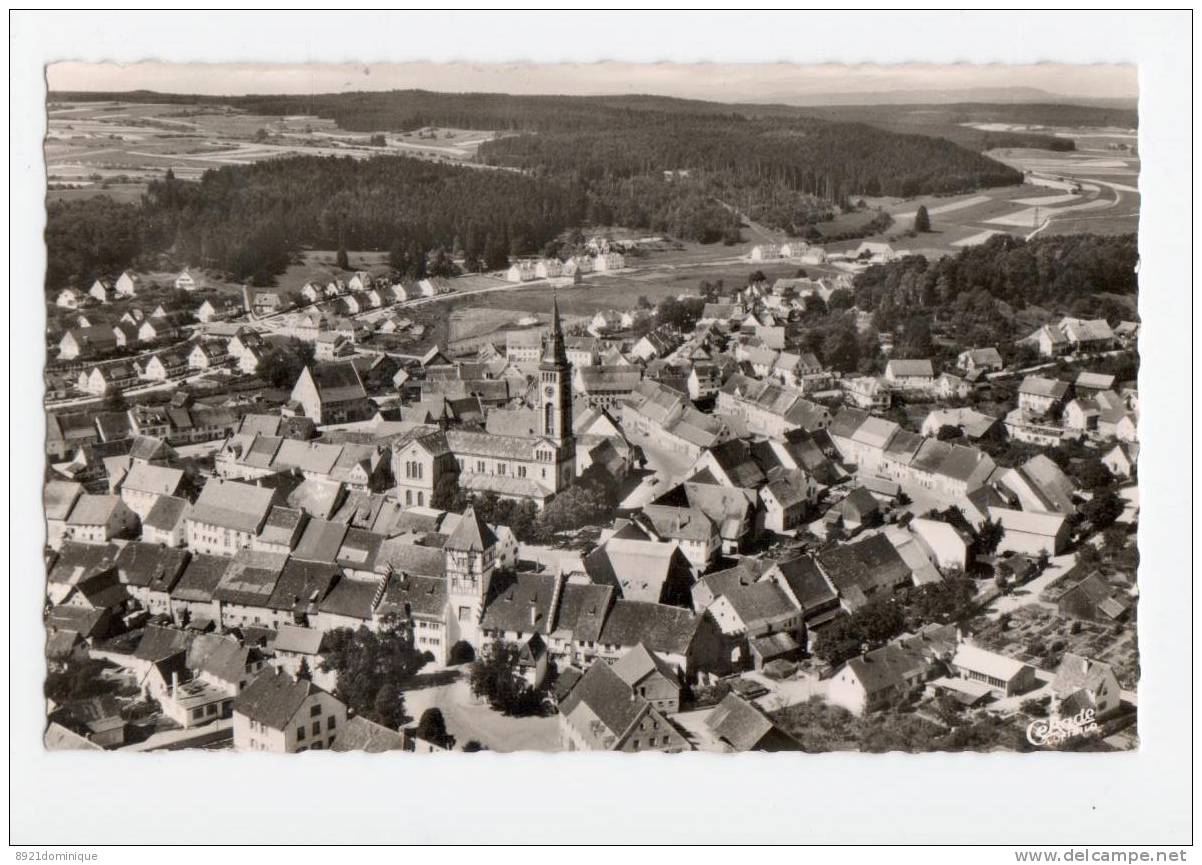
(549,391)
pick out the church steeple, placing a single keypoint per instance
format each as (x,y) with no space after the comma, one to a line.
(555,385)
(553,348)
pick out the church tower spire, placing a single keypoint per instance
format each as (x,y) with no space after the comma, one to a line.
(555,390)
(553,347)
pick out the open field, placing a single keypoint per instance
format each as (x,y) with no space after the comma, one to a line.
(90,143)
(1093,189)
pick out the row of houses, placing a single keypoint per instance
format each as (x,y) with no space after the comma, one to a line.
(793,249)
(525,270)
(1080,336)
(939,656)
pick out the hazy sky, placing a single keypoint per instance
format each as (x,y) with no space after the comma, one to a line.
(718,82)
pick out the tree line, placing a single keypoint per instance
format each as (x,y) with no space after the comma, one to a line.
(1055,270)
(786,172)
(248,220)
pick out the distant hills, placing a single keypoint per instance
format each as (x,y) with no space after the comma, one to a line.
(985,95)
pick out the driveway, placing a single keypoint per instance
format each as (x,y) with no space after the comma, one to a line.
(1029,593)
(787,692)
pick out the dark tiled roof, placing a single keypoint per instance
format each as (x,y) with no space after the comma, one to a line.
(403,555)
(302,585)
(663,628)
(414,596)
(472,534)
(611,700)
(807,582)
(352,598)
(200,578)
(359,550)
(360,734)
(250,578)
(78,562)
(166,513)
(338,382)
(759,602)
(321,541)
(583,608)
(220,656)
(847,421)
(523,604)
(143,564)
(158,643)
(737,723)
(273,698)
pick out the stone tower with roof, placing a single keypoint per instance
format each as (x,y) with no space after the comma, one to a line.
(555,400)
(469,559)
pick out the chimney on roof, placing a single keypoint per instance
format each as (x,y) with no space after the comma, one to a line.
(533,614)
(174,682)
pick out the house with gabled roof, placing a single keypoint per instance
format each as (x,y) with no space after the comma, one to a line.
(227,516)
(278,713)
(149,572)
(246,587)
(144,484)
(1003,676)
(102,291)
(603,713)
(1087,334)
(332,393)
(127,284)
(165,522)
(1039,395)
(86,342)
(769,408)
(1095,600)
(58,498)
(1122,459)
(651,678)
(95,519)
(1050,341)
(736,725)
(1038,485)
(882,677)
(645,569)
(759,611)
(917,374)
(972,359)
(1085,685)
(1031,532)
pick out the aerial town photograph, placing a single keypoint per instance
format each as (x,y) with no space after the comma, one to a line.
(464,416)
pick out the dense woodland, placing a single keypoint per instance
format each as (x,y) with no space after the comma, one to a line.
(975,294)
(249,219)
(779,171)
(1053,269)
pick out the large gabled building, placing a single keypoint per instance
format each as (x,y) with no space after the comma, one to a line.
(332,393)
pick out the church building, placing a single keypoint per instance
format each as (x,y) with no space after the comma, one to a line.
(532,465)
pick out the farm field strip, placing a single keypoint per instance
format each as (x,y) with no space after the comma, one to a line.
(1045,201)
(948,208)
(976,239)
